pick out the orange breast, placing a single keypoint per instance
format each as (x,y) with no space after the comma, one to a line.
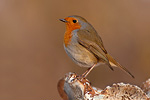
(69,28)
(67,37)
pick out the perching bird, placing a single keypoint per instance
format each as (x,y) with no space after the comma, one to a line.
(84,46)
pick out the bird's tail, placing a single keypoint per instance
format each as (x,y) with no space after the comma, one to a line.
(113,62)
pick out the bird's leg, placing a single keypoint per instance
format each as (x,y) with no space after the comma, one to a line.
(88,71)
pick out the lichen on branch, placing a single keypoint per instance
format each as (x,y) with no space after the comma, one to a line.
(74,87)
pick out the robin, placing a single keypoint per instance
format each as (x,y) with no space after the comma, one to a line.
(84,46)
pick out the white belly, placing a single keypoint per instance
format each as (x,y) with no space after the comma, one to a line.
(80,55)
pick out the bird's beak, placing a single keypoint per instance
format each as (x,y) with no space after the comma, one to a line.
(63,20)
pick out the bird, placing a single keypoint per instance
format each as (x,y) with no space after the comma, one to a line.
(84,45)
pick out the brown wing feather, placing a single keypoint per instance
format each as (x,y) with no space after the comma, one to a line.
(91,44)
(92,36)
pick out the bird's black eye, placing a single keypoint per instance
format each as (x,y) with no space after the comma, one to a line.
(74,21)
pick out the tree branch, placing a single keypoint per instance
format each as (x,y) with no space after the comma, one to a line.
(73,87)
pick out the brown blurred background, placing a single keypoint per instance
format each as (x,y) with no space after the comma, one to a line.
(32,58)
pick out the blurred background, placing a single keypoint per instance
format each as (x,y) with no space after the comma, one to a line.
(32,57)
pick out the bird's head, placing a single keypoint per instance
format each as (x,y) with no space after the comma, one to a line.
(74,22)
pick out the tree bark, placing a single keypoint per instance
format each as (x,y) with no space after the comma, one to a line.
(74,87)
